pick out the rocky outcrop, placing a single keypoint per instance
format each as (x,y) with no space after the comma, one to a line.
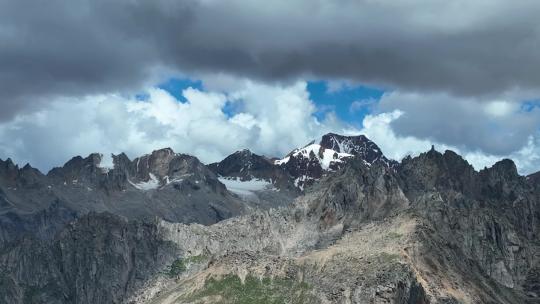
(43,224)
(100,258)
(360,192)
(246,165)
(490,217)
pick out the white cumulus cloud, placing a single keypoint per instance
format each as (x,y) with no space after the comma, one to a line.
(270,119)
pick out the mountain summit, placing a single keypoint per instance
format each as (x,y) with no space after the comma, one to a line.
(328,154)
(302,166)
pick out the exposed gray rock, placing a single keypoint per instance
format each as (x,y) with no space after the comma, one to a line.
(100,258)
(491,216)
(246,166)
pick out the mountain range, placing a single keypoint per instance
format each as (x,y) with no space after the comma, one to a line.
(334,221)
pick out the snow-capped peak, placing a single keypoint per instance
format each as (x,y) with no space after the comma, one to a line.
(302,166)
(324,156)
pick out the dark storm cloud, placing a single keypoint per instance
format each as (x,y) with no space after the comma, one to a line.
(50,48)
(496,127)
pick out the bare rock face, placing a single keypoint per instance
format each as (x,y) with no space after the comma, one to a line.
(491,216)
(360,192)
(246,165)
(435,231)
(100,258)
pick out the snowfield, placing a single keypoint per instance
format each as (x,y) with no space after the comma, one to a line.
(151,184)
(240,187)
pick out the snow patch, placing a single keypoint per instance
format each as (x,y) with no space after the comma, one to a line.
(328,155)
(300,181)
(240,187)
(177,179)
(151,184)
(282,161)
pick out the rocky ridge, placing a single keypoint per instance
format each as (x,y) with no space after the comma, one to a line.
(172,186)
(303,166)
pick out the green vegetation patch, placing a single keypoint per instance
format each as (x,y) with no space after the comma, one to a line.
(177,268)
(196,259)
(180,265)
(230,289)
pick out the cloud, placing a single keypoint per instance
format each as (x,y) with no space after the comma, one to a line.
(497,127)
(380,129)
(271,120)
(457,71)
(363,104)
(500,108)
(82,48)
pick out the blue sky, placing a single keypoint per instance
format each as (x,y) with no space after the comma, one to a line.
(530,105)
(175,86)
(339,101)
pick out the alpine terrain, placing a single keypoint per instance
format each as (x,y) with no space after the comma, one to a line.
(334,221)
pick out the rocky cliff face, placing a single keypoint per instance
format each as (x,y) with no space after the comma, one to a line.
(430,229)
(100,258)
(491,216)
